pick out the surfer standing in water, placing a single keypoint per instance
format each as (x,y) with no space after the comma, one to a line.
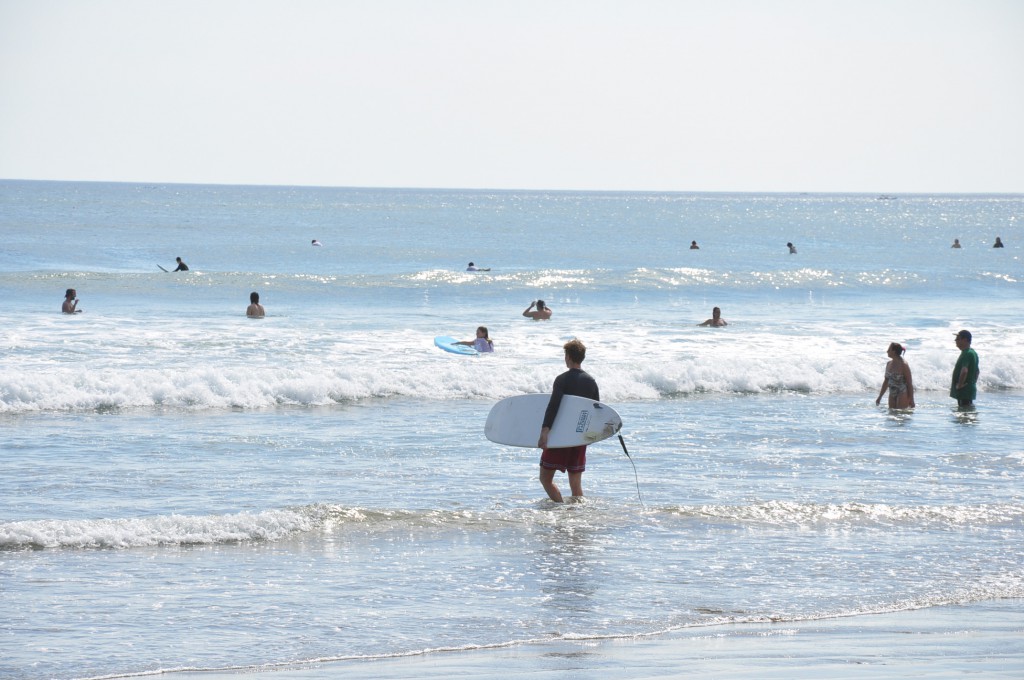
(572,460)
(542,311)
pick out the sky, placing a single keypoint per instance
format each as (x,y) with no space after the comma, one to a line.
(897,96)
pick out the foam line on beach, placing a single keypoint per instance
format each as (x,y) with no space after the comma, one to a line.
(279,524)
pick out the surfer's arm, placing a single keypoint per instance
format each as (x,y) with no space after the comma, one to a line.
(557,390)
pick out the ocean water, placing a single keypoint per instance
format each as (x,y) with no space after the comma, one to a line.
(186,488)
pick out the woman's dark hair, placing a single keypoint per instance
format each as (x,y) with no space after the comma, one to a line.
(900,349)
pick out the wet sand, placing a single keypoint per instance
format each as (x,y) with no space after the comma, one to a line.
(984,640)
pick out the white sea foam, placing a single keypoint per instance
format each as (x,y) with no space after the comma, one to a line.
(278,524)
(196,372)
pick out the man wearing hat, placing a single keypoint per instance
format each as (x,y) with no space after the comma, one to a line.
(965,374)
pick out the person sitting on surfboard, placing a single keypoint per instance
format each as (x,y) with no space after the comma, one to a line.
(255,309)
(482,343)
(572,460)
(182,267)
(542,311)
(716,319)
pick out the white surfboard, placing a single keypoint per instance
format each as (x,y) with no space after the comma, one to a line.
(450,344)
(516,421)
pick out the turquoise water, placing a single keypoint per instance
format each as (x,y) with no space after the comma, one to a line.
(187,488)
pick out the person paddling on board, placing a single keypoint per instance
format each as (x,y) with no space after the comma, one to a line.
(482,343)
(572,460)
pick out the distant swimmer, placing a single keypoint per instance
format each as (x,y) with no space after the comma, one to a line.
(473,268)
(898,381)
(998,243)
(694,246)
(716,319)
(255,309)
(792,248)
(182,267)
(317,243)
(956,243)
(70,305)
(482,343)
(542,311)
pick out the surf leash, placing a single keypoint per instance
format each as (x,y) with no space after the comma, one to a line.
(626,451)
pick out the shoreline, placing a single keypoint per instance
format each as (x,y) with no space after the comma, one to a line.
(984,639)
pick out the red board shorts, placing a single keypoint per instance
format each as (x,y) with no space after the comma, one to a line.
(573,459)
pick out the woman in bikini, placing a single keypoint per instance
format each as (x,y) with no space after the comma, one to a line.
(897,379)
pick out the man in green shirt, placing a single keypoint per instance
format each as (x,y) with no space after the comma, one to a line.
(965,374)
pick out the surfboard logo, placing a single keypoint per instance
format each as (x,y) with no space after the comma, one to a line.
(581,424)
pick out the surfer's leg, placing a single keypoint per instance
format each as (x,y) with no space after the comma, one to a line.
(576,484)
(547,480)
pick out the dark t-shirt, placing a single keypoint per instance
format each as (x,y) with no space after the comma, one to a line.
(576,382)
(968,359)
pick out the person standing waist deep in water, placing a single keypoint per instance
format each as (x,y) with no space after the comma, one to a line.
(898,380)
(542,311)
(70,305)
(571,460)
(964,387)
(255,310)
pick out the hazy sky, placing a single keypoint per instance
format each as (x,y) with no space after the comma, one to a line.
(674,95)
